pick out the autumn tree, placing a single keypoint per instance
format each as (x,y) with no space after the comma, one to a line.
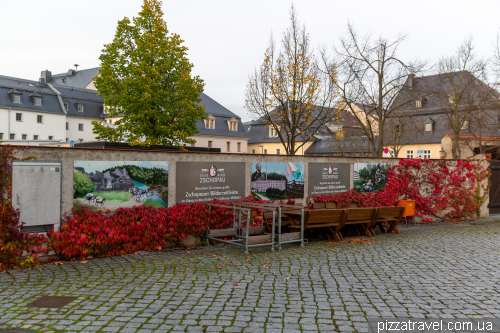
(145,77)
(290,92)
(461,93)
(370,76)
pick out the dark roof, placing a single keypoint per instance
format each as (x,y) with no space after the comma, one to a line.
(222,127)
(93,104)
(79,80)
(326,146)
(214,108)
(27,88)
(432,109)
(259,133)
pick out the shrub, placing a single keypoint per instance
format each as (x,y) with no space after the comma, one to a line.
(82,184)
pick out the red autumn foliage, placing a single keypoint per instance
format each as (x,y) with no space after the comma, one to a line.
(449,188)
(129,230)
(13,242)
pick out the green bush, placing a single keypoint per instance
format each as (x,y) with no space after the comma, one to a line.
(81,184)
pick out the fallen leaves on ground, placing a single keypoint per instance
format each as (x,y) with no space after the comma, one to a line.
(237,284)
(359,241)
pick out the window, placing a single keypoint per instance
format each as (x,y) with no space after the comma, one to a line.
(1,136)
(465,125)
(81,140)
(80,107)
(111,121)
(12,136)
(409,154)
(228,146)
(39,119)
(67,126)
(67,139)
(238,146)
(427,154)
(38,101)
(80,127)
(35,137)
(418,103)
(66,106)
(193,145)
(428,127)
(253,151)
(273,133)
(16,99)
(278,151)
(19,117)
(232,124)
(51,137)
(210,144)
(265,151)
(25,136)
(210,122)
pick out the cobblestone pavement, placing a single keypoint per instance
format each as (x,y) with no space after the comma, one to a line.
(433,271)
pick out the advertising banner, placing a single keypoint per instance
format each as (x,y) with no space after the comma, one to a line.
(204,181)
(113,184)
(370,177)
(277,180)
(329,178)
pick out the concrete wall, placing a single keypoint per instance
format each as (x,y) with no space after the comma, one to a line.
(68,155)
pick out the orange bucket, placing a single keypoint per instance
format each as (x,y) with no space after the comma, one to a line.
(410,207)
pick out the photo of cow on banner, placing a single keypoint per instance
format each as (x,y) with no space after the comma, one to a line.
(113,184)
(277,180)
(370,177)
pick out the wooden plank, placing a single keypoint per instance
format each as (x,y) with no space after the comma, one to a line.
(222,232)
(253,230)
(331,205)
(319,205)
(252,240)
(290,236)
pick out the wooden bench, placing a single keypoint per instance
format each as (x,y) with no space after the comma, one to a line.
(319,205)
(362,219)
(391,215)
(331,219)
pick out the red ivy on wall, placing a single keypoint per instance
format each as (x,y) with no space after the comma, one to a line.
(445,189)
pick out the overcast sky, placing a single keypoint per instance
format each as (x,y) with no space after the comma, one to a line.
(227,38)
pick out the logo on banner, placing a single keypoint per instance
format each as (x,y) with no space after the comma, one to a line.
(331,169)
(212,171)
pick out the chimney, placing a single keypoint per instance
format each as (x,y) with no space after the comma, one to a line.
(46,75)
(411,81)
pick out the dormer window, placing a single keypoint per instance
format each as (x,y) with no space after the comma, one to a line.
(273,133)
(36,98)
(232,123)
(79,106)
(15,95)
(210,122)
(429,125)
(66,104)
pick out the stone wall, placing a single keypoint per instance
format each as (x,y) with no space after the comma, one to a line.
(68,155)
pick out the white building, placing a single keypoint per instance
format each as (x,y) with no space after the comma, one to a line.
(39,113)
(60,108)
